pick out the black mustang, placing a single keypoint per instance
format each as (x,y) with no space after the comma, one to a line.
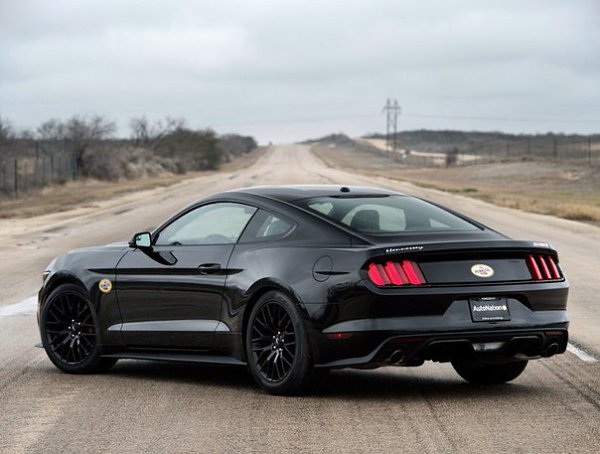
(295,280)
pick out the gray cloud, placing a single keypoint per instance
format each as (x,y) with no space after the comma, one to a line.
(285,70)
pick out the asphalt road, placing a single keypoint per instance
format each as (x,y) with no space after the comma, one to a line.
(152,407)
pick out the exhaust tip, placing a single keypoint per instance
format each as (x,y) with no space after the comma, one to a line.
(552,349)
(397,358)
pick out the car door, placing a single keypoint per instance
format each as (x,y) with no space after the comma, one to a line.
(170,293)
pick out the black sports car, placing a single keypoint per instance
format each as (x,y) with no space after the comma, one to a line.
(295,280)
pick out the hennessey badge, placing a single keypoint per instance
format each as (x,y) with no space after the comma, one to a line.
(482,270)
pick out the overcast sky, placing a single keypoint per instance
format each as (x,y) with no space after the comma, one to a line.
(286,70)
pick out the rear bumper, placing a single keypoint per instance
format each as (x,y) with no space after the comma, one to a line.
(485,346)
(446,337)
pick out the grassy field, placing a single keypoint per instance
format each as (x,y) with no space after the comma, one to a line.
(563,189)
(86,192)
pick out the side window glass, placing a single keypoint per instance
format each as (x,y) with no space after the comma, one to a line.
(273,227)
(216,223)
(266,227)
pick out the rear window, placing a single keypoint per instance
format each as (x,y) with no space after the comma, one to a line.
(387,214)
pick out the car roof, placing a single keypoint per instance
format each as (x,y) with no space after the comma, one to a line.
(289,193)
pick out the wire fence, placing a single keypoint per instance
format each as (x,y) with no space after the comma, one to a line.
(33,165)
(583,150)
(27,165)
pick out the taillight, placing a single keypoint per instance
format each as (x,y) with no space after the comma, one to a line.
(543,267)
(395,273)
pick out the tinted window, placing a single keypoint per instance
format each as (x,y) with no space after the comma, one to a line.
(387,214)
(272,227)
(217,223)
(265,227)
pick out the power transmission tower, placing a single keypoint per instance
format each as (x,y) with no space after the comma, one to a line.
(392,110)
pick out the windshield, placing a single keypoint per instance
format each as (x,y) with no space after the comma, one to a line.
(380,215)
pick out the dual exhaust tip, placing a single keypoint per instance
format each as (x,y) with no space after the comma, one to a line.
(398,357)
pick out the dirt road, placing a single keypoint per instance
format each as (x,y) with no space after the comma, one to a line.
(140,407)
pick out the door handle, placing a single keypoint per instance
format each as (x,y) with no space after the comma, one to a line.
(207,268)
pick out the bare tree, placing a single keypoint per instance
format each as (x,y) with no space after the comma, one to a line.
(25,134)
(51,130)
(152,135)
(81,131)
(139,129)
(7,132)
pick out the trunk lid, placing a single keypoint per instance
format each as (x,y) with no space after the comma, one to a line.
(471,262)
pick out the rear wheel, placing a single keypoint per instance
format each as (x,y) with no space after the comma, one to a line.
(70,330)
(489,374)
(277,346)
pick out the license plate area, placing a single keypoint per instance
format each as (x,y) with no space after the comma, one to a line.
(489,309)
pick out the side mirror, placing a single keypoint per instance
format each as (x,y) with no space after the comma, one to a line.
(141,240)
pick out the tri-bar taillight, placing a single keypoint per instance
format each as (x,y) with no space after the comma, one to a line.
(543,267)
(405,272)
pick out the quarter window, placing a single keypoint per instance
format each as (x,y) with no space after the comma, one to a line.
(216,223)
(273,227)
(266,226)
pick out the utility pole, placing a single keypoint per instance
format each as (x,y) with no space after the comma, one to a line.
(392,110)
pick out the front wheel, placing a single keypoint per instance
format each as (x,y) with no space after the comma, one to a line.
(277,346)
(489,374)
(69,330)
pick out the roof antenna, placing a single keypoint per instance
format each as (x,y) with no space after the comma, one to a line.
(344,189)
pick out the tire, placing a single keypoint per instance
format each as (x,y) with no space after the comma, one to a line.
(277,346)
(489,374)
(70,332)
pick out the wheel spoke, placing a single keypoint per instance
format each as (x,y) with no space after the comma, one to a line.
(260,330)
(284,359)
(268,316)
(82,310)
(276,366)
(263,322)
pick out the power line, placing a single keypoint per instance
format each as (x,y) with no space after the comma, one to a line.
(345,116)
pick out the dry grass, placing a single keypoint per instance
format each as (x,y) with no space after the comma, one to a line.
(566,190)
(83,193)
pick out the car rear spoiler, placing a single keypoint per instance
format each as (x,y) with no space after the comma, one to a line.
(421,248)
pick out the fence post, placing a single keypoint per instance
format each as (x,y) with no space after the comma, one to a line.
(51,168)
(555,147)
(590,150)
(16,178)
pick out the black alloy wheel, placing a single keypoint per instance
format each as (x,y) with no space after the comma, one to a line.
(273,342)
(277,347)
(70,331)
